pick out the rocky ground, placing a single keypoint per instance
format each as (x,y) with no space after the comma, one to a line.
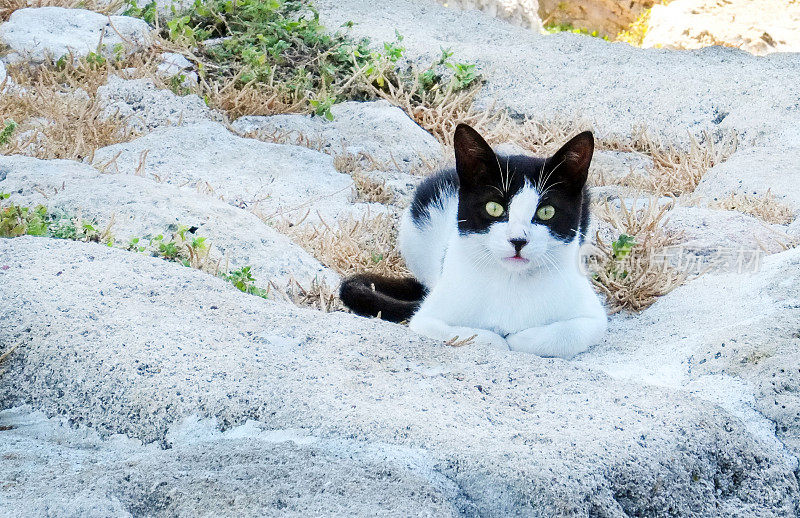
(138,386)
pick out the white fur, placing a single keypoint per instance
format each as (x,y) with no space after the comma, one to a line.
(545,306)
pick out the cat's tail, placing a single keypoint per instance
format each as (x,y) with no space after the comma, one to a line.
(389,298)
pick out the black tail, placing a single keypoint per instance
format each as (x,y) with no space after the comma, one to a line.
(371,295)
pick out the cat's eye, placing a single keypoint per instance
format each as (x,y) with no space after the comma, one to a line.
(494,209)
(545,212)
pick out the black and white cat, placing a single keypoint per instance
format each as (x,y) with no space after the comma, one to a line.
(494,246)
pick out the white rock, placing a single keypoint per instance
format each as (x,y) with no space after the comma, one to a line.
(610,167)
(755,171)
(515,434)
(710,233)
(173,64)
(147,107)
(36,34)
(377,128)
(141,207)
(614,85)
(126,475)
(729,337)
(524,13)
(757,26)
(275,180)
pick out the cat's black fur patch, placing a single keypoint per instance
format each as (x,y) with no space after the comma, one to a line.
(371,295)
(482,176)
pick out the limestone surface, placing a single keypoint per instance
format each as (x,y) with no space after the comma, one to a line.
(142,208)
(41,33)
(154,343)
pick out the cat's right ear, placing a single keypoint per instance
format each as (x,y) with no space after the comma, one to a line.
(475,159)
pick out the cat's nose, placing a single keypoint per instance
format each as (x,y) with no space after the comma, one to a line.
(518,244)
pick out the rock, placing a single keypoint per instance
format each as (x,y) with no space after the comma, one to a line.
(757,26)
(147,107)
(611,167)
(755,171)
(524,13)
(274,180)
(568,75)
(141,207)
(514,433)
(378,129)
(36,34)
(173,65)
(722,235)
(729,337)
(608,17)
(243,471)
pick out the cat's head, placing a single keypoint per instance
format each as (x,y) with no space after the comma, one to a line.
(519,211)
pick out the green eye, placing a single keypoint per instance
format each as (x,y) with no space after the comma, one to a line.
(494,209)
(545,212)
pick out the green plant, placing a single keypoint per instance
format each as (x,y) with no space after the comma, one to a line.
(7,131)
(148,12)
(554,28)
(243,280)
(16,220)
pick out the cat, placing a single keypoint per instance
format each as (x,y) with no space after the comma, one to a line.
(494,248)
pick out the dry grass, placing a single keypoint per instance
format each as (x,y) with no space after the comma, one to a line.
(9,6)
(675,170)
(237,100)
(317,296)
(367,188)
(440,112)
(58,112)
(352,245)
(633,277)
(767,208)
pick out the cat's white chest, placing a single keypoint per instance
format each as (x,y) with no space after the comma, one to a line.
(467,295)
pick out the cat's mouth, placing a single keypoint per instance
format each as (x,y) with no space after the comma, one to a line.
(516,259)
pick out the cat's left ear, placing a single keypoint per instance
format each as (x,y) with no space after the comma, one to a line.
(570,164)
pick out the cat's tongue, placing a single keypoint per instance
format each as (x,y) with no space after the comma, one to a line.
(516,259)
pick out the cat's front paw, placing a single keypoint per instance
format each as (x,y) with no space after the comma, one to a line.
(488,339)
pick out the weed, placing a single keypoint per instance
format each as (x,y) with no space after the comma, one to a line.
(7,131)
(555,28)
(352,245)
(630,270)
(243,280)
(768,207)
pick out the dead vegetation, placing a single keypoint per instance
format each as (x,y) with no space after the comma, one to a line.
(767,208)
(351,245)
(56,112)
(632,268)
(676,170)
(7,7)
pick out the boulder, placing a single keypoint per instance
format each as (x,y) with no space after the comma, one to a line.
(142,207)
(524,13)
(378,129)
(274,180)
(755,171)
(176,65)
(147,107)
(243,471)
(568,75)
(722,235)
(757,26)
(41,33)
(730,337)
(128,344)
